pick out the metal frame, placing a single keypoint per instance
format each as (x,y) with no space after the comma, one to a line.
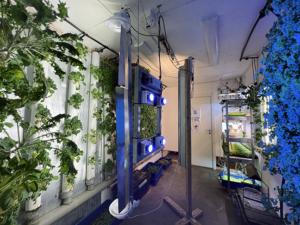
(184,149)
(229,104)
(139,86)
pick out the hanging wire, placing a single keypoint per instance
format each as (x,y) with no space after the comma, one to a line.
(162,197)
(97,25)
(144,12)
(150,35)
(151,66)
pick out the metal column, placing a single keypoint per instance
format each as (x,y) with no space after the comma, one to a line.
(124,123)
(188,138)
(228,151)
(184,144)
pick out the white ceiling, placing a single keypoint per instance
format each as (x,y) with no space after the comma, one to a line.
(185,36)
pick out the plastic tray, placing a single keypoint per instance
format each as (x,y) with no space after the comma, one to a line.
(153,182)
(165,167)
(234,184)
(89,219)
(236,115)
(153,175)
(141,183)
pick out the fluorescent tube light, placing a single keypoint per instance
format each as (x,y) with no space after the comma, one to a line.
(211,32)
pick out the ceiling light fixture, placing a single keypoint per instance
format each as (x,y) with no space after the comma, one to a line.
(211,32)
(117,20)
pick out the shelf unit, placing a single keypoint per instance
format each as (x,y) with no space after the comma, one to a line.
(233,104)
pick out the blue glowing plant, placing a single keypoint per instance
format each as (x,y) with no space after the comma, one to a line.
(281,58)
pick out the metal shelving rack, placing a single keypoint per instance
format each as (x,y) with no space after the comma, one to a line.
(230,104)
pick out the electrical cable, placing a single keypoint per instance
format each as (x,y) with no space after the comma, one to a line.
(172,62)
(162,198)
(96,25)
(152,67)
(164,26)
(144,34)
(159,46)
(86,35)
(144,12)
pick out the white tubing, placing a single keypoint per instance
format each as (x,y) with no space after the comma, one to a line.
(72,112)
(92,124)
(30,204)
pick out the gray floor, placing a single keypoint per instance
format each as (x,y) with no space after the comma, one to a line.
(207,192)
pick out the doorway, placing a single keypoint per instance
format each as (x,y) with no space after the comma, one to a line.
(202,151)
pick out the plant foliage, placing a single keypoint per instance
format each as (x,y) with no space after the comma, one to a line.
(76,100)
(281,58)
(26,39)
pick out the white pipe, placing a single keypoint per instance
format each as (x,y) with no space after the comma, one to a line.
(31,205)
(92,124)
(66,194)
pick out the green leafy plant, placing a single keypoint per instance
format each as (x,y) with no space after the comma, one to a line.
(20,176)
(26,39)
(153,168)
(76,100)
(163,161)
(104,218)
(109,166)
(93,136)
(77,77)
(253,96)
(107,80)
(73,126)
(94,160)
(148,121)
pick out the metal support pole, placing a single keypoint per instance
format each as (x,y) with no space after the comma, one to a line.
(185,75)
(124,123)
(188,140)
(227,148)
(252,145)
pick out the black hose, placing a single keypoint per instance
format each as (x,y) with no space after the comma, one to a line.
(262,14)
(86,35)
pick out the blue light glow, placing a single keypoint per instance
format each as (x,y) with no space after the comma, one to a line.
(151,97)
(163,101)
(163,141)
(150,148)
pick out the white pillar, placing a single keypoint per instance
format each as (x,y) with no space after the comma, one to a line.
(92,124)
(31,206)
(67,193)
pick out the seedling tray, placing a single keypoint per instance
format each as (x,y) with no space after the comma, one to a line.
(153,182)
(88,220)
(153,175)
(141,183)
(165,167)
(236,115)
(237,181)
